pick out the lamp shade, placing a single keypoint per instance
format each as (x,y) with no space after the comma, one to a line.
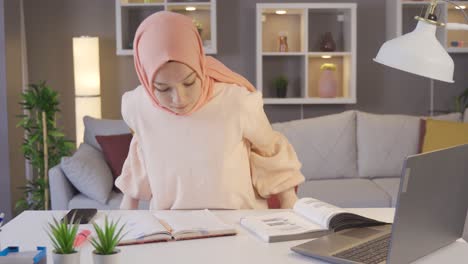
(86,66)
(87,82)
(418,52)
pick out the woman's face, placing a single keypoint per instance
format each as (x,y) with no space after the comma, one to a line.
(177,87)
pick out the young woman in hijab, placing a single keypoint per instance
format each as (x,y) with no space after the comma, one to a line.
(201,136)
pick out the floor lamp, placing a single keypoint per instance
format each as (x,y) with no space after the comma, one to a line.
(419,52)
(87,82)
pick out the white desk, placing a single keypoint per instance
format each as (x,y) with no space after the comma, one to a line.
(28,231)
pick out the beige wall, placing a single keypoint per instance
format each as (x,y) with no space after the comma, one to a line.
(14,86)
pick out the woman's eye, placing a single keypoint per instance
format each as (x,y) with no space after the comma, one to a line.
(162,90)
(189,84)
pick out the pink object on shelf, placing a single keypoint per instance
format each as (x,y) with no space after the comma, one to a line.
(328,85)
(81,237)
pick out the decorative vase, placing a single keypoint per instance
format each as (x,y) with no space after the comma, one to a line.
(282,42)
(73,258)
(328,84)
(327,43)
(107,259)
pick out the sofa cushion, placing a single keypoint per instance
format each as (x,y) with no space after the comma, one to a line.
(384,141)
(325,145)
(391,186)
(82,201)
(88,172)
(115,149)
(102,127)
(351,193)
(443,134)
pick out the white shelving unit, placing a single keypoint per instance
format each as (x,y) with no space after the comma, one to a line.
(304,24)
(400,20)
(130,13)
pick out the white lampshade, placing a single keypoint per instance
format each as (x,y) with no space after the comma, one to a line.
(86,66)
(418,52)
(87,82)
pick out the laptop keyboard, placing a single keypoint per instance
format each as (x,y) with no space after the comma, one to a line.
(373,251)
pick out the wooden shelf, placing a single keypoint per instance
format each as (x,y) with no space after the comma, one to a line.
(283,53)
(301,64)
(145,2)
(289,101)
(130,13)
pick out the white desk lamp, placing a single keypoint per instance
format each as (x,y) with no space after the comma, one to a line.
(419,52)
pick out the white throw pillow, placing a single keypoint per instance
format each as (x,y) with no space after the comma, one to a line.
(325,145)
(88,171)
(383,143)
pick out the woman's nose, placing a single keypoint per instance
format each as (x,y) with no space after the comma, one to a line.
(179,96)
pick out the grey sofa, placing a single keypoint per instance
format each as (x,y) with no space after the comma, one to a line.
(350,159)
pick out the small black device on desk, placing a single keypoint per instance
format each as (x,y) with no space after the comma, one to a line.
(83,215)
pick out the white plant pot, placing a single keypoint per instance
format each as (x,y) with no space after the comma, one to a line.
(73,258)
(107,259)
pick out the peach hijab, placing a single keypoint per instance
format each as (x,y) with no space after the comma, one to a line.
(167,36)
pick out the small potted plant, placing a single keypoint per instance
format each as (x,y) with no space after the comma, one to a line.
(105,243)
(63,234)
(281,85)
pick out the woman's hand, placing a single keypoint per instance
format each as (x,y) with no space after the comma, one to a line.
(287,198)
(128,203)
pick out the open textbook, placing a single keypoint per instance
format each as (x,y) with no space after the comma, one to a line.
(146,226)
(309,218)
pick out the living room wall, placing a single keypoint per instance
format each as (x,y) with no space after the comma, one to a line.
(5,188)
(13,81)
(51,24)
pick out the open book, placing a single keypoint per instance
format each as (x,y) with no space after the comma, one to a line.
(146,227)
(309,218)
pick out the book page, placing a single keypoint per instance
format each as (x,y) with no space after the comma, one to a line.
(279,224)
(139,225)
(200,222)
(317,211)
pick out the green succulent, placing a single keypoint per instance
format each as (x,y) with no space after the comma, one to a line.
(108,237)
(63,234)
(281,82)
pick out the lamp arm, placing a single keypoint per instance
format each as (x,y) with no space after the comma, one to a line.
(456,26)
(459,8)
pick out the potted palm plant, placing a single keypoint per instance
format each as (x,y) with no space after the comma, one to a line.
(44,144)
(105,243)
(63,234)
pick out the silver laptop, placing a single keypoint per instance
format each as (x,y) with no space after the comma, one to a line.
(430,214)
